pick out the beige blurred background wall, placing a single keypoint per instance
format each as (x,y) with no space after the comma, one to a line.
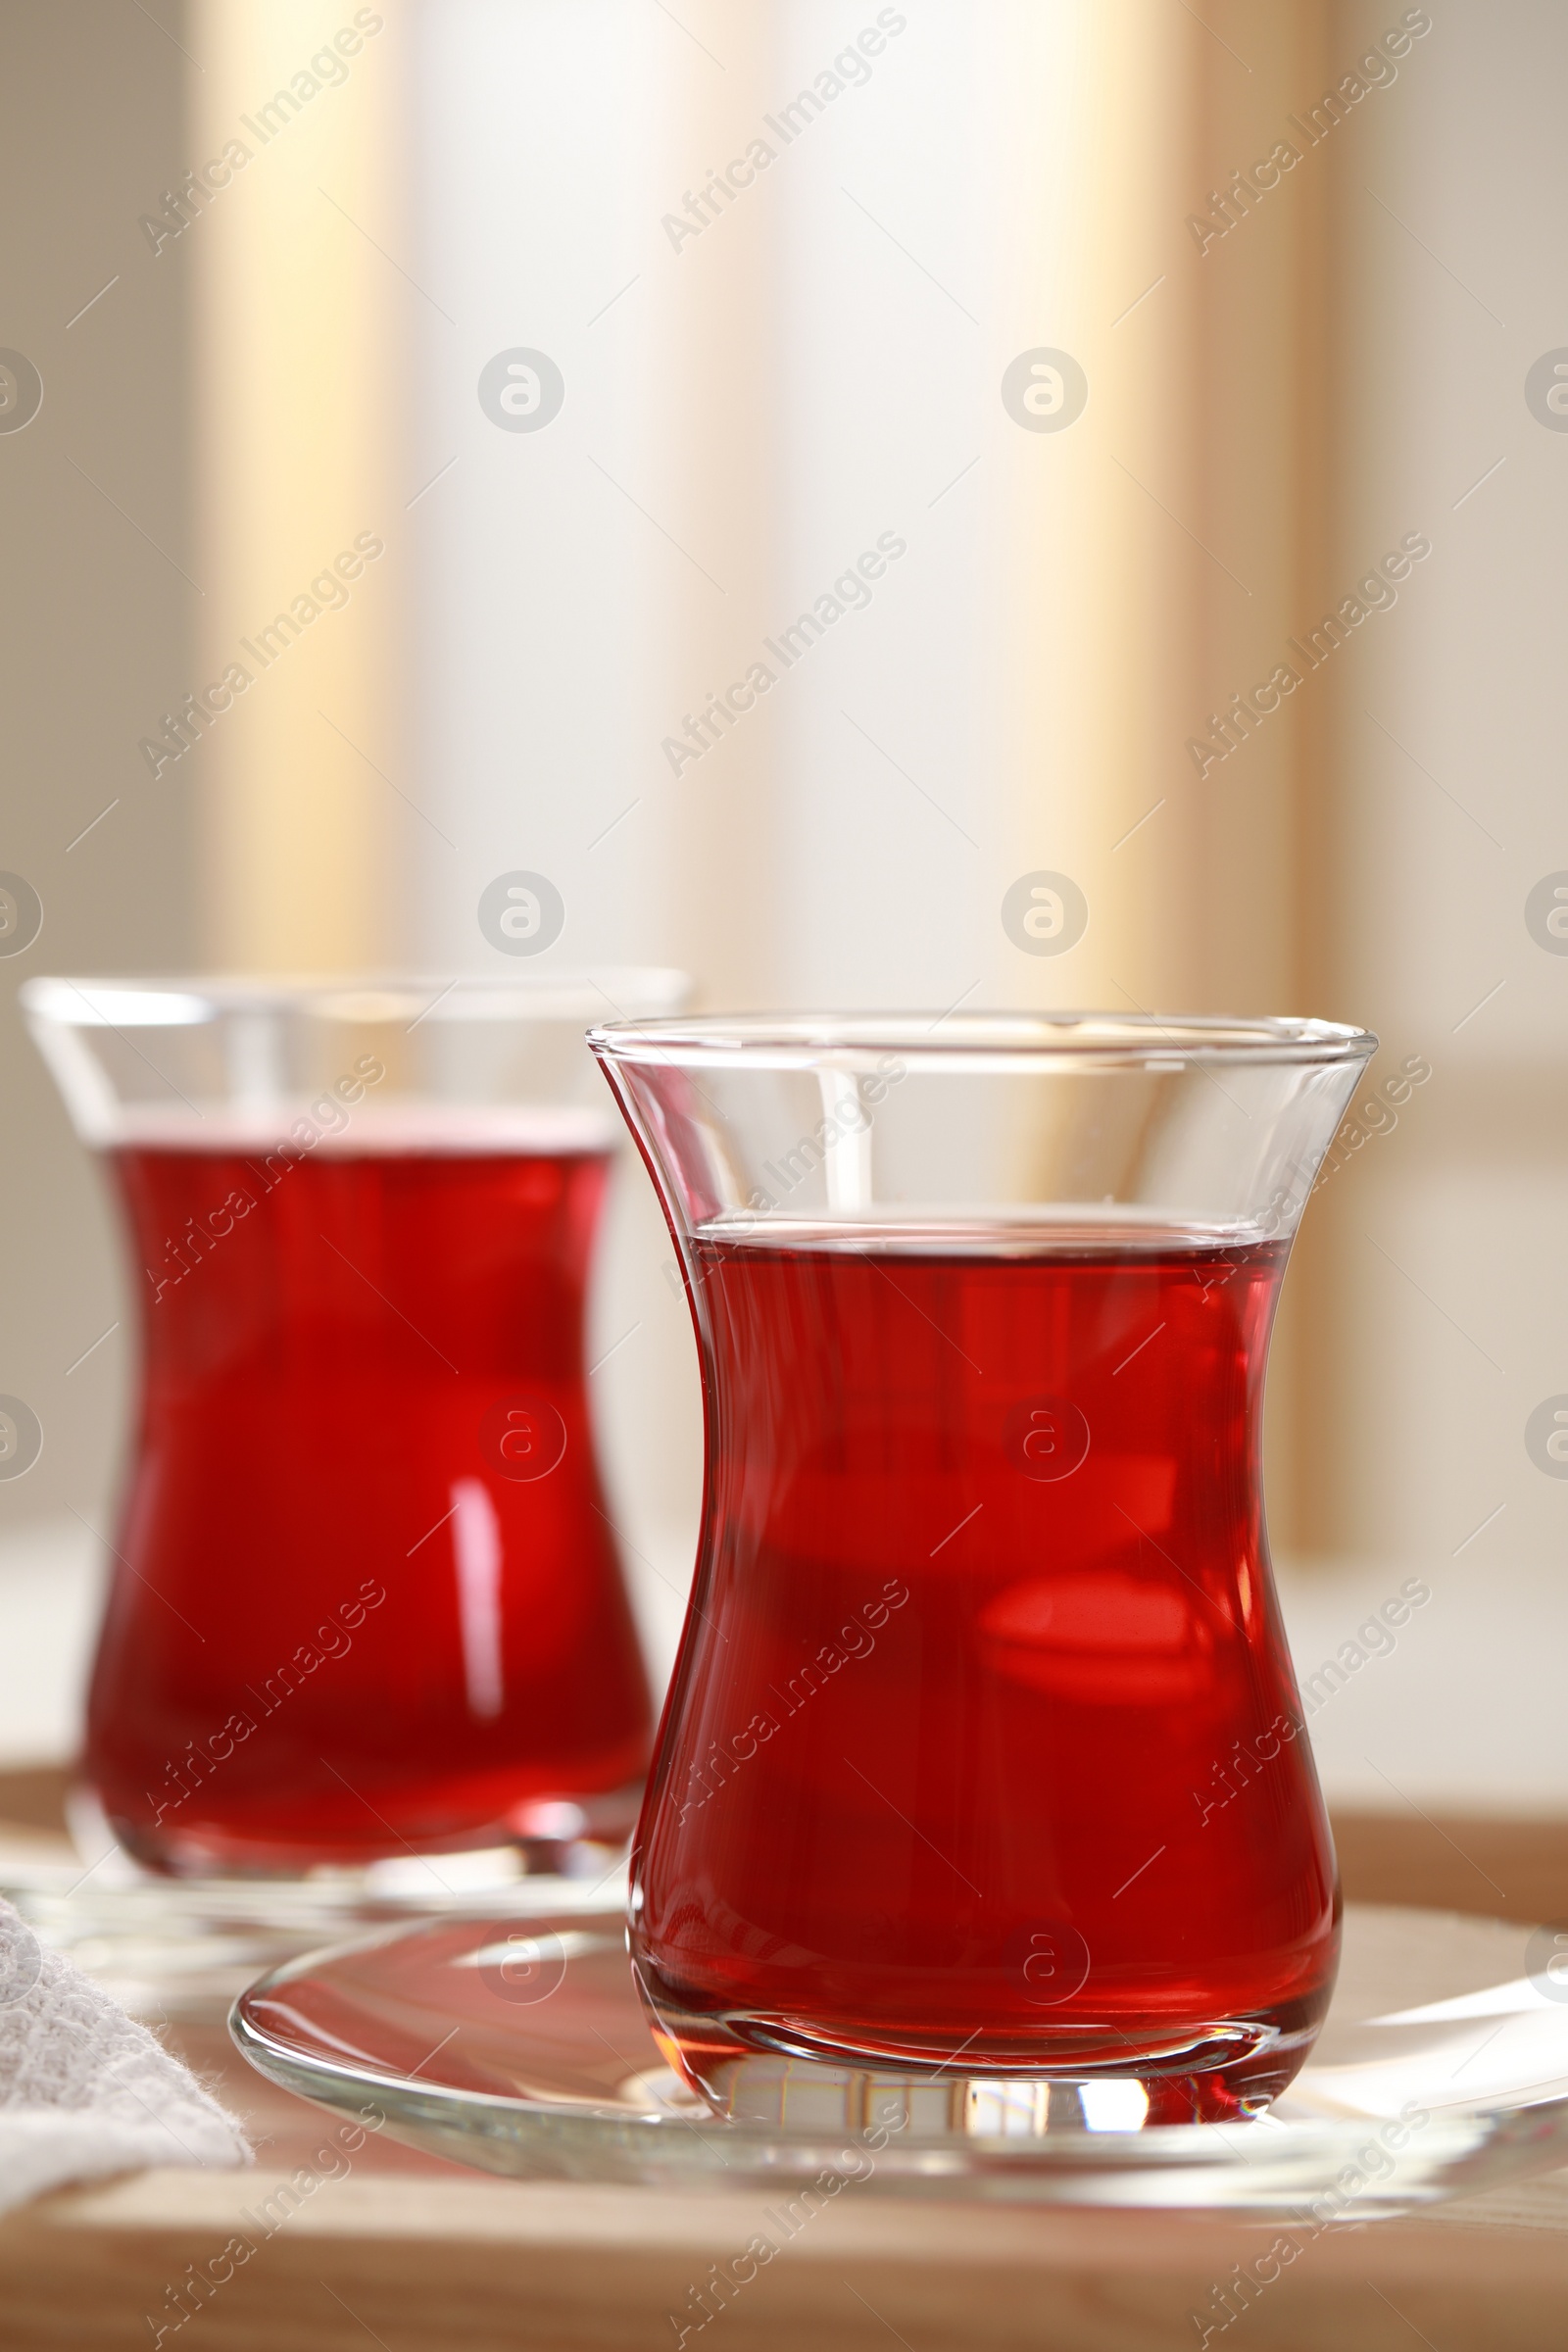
(1335,359)
(101,600)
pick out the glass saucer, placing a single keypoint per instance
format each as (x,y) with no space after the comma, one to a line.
(521,2046)
(179,1950)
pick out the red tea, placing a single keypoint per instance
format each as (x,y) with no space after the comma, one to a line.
(983,1751)
(366,1598)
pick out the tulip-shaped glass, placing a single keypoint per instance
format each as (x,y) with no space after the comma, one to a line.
(364,1600)
(984,1772)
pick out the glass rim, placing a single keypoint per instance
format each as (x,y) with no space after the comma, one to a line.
(369,1000)
(1015,1040)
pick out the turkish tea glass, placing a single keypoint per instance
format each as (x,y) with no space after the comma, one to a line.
(363,1598)
(983,1786)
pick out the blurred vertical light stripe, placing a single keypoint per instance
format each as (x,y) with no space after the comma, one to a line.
(1248,926)
(300,315)
(1155,552)
(1160,556)
(548,576)
(722,331)
(1101,590)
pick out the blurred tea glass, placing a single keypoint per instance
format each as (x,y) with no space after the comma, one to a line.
(364,1597)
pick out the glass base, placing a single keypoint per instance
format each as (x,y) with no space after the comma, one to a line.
(182,1948)
(558,1837)
(771,2070)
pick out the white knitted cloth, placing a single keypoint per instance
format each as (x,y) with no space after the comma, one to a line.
(84,2090)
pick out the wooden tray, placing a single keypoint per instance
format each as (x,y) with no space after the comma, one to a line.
(383,2246)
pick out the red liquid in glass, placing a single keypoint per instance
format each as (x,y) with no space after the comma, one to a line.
(984,1748)
(324,1420)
